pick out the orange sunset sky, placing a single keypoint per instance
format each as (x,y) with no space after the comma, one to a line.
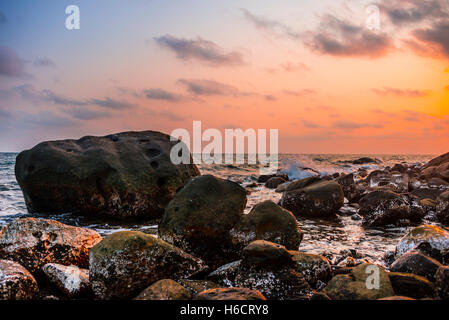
(312,69)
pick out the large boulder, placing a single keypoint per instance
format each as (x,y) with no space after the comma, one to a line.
(165,289)
(358,285)
(16,283)
(35,242)
(200,216)
(437,168)
(417,263)
(427,193)
(436,237)
(313,198)
(70,280)
(127,262)
(267,221)
(127,174)
(230,294)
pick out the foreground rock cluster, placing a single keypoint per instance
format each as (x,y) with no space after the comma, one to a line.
(206,248)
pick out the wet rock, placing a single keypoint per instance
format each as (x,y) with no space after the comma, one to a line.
(353,286)
(35,242)
(416,263)
(200,216)
(267,221)
(16,283)
(442,212)
(442,282)
(437,168)
(274,182)
(427,193)
(126,262)
(356,217)
(437,182)
(411,285)
(264,178)
(314,268)
(230,294)
(262,253)
(128,174)
(399,168)
(315,199)
(266,267)
(165,289)
(366,160)
(70,280)
(320,296)
(197,286)
(435,236)
(395,181)
(383,208)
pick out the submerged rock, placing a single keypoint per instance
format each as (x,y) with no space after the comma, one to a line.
(35,242)
(165,289)
(267,221)
(126,262)
(416,263)
(70,280)
(127,174)
(16,283)
(200,216)
(354,286)
(435,236)
(230,294)
(313,198)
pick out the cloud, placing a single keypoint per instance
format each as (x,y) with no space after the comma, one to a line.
(160,94)
(110,103)
(342,38)
(86,114)
(10,63)
(201,50)
(346,124)
(270,26)
(292,67)
(310,124)
(412,93)
(402,12)
(210,88)
(299,93)
(436,36)
(270,97)
(44,62)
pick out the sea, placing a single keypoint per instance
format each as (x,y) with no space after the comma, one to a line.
(330,236)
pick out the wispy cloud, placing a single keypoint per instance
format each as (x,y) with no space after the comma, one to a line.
(412,93)
(271,26)
(44,62)
(203,87)
(347,124)
(163,95)
(339,37)
(204,51)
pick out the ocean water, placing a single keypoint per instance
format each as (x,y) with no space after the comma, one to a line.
(319,235)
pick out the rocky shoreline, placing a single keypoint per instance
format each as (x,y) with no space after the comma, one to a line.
(207,248)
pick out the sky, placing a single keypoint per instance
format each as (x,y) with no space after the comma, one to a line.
(323,73)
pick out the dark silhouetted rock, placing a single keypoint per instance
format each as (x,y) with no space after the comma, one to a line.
(200,216)
(411,285)
(442,282)
(123,175)
(416,263)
